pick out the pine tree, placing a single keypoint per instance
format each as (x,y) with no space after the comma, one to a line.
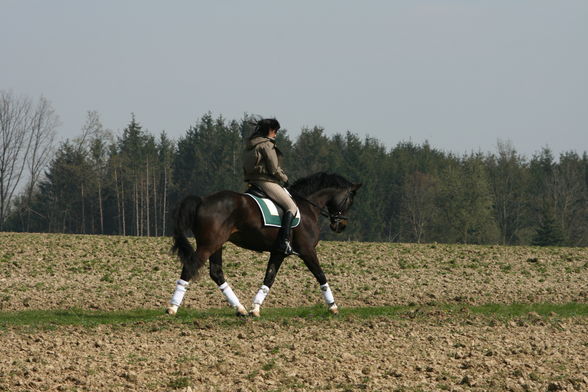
(548,232)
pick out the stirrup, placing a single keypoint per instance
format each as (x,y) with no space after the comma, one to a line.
(286,249)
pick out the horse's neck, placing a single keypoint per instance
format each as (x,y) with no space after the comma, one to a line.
(322,196)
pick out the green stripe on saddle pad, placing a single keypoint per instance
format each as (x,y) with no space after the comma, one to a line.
(270,214)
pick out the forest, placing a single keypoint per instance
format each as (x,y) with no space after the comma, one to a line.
(129,184)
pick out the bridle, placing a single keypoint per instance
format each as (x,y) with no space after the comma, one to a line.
(326,212)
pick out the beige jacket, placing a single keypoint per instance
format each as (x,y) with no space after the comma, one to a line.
(261,161)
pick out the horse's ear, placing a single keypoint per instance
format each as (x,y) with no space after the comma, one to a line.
(355,187)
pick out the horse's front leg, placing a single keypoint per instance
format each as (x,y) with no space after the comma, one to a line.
(312,263)
(273,266)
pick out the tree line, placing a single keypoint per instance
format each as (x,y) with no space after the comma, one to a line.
(129,184)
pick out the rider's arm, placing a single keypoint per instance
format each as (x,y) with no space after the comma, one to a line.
(271,162)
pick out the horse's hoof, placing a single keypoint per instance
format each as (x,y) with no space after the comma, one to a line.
(334,309)
(256,311)
(172,309)
(241,311)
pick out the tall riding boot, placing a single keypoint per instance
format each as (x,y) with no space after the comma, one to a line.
(283,240)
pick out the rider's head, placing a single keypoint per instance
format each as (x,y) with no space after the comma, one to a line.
(263,127)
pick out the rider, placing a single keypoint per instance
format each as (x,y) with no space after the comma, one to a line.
(261,166)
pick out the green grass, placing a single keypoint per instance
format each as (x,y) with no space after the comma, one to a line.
(155,319)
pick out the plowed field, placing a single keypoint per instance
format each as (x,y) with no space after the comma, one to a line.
(85,313)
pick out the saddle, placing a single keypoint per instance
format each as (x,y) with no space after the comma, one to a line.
(271,211)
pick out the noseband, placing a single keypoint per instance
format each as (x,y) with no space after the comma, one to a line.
(338,216)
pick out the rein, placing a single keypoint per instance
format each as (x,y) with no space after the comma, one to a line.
(324,211)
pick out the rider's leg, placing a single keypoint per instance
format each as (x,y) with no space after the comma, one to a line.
(280,196)
(283,241)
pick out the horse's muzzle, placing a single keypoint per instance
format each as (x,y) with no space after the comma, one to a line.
(338,225)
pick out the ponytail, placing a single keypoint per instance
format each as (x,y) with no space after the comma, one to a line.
(262,127)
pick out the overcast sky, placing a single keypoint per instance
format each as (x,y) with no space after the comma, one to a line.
(460,74)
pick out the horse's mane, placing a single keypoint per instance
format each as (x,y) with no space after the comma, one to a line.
(308,185)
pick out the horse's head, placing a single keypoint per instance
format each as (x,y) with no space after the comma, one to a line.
(338,206)
(330,191)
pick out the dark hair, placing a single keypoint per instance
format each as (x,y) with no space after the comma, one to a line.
(262,127)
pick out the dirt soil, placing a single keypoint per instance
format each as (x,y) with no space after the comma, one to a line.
(429,352)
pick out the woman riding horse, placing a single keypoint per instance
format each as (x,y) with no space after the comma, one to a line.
(261,167)
(235,217)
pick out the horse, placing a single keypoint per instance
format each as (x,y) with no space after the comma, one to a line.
(235,217)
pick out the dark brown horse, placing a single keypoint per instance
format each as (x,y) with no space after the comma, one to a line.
(231,216)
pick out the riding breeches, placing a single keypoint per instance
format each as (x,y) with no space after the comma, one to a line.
(278,194)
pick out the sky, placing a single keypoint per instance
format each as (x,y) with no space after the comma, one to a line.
(460,74)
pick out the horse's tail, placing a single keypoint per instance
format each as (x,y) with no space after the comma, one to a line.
(185,217)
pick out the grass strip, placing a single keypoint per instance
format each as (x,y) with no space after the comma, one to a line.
(88,318)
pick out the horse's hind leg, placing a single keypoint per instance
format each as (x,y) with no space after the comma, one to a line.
(182,284)
(273,266)
(217,275)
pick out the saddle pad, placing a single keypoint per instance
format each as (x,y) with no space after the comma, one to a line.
(271,213)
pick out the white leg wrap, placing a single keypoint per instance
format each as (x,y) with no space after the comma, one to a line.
(261,294)
(229,295)
(178,297)
(327,294)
